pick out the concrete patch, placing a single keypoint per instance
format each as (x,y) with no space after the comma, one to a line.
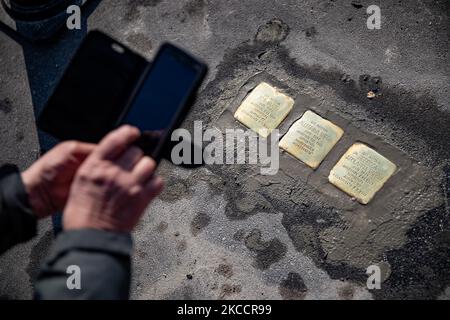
(162,274)
(267,252)
(353,236)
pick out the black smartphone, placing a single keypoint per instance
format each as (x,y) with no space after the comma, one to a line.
(106,84)
(163,97)
(93,90)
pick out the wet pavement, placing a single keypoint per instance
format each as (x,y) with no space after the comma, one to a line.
(226,231)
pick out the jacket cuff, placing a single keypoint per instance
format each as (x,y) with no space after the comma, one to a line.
(16,203)
(92,240)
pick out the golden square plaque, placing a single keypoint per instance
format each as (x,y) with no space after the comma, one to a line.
(311,138)
(264,109)
(361,172)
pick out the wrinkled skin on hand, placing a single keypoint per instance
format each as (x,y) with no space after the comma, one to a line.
(48,180)
(113,186)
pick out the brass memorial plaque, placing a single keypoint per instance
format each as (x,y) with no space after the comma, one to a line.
(264,109)
(361,172)
(311,138)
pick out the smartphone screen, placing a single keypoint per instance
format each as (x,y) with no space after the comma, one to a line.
(163,96)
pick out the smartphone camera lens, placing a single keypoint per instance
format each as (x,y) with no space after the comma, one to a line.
(117,48)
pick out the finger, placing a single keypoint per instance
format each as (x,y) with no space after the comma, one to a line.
(144,169)
(129,158)
(115,143)
(70,149)
(82,149)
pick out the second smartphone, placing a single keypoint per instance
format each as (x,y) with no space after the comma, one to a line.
(163,97)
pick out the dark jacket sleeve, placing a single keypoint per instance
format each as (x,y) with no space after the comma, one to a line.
(17,221)
(100,260)
(103,258)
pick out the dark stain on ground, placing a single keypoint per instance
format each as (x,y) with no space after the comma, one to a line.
(175,189)
(356,4)
(245,205)
(273,31)
(181,245)
(368,83)
(162,226)
(182,293)
(267,252)
(5,106)
(346,292)
(293,287)
(225,270)
(239,235)
(310,32)
(412,116)
(347,79)
(229,289)
(200,221)
(133,6)
(195,7)
(37,255)
(142,254)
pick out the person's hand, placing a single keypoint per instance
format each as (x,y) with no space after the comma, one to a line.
(48,180)
(113,186)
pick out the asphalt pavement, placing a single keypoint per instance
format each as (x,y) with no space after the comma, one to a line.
(226,231)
